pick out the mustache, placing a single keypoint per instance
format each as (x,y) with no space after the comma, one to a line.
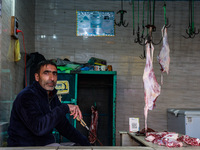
(49,82)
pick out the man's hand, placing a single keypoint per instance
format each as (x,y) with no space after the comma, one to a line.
(75,111)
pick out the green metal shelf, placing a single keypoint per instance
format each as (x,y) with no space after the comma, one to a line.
(114,73)
(90,72)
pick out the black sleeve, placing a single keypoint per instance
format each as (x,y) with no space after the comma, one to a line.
(72,134)
(39,123)
(65,128)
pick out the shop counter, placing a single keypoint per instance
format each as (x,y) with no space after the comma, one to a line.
(132,138)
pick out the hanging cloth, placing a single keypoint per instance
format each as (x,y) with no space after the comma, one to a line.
(17,55)
(14,51)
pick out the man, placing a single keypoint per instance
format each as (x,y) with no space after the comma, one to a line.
(37,111)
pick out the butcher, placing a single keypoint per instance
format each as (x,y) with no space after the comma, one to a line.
(37,111)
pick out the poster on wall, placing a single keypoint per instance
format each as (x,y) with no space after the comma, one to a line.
(95,23)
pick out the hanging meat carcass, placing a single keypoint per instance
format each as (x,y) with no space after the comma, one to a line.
(93,126)
(151,87)
(164,55)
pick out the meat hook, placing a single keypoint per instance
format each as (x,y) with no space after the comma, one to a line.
(144,53)
(167,25)
(139,39)
(122,12)
(148,38)
(191,31)
(151,27)
(133,15)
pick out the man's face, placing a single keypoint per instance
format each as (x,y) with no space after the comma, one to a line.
(47,77)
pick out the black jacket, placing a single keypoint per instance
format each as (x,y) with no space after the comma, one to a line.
(34,116)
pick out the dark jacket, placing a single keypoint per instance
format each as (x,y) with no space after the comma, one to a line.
(34,116)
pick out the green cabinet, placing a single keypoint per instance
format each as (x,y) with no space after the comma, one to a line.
(87,88)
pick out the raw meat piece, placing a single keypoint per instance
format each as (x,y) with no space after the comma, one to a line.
(171,135)
(159,135)
(164,58)
(171,139)
(168,139)
(143,131)
(189,140)
(151,87)
(93,125)
(150,138)
(172,143)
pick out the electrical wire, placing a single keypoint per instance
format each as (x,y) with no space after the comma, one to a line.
(24,55)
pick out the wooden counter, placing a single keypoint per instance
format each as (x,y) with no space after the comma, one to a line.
(128,141)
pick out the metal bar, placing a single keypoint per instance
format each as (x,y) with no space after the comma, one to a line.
(114,109)
(153,12)
(133,17)
(75,97)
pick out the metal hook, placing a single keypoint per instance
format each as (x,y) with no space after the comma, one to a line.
(158,42)
(144,53)
(122,21)
(140,39)
(191,33)
(191,30)
(122,12)
(150,37)
(167,25)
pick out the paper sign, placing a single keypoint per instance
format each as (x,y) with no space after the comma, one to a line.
(63,87)
(134,124)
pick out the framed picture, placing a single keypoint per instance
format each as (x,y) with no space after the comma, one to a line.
(95,23)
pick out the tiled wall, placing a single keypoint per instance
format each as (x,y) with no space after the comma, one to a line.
(181,87)
(12,73)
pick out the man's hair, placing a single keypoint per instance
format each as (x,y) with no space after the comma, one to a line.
(43,63)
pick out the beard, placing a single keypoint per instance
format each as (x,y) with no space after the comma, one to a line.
(48,85)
